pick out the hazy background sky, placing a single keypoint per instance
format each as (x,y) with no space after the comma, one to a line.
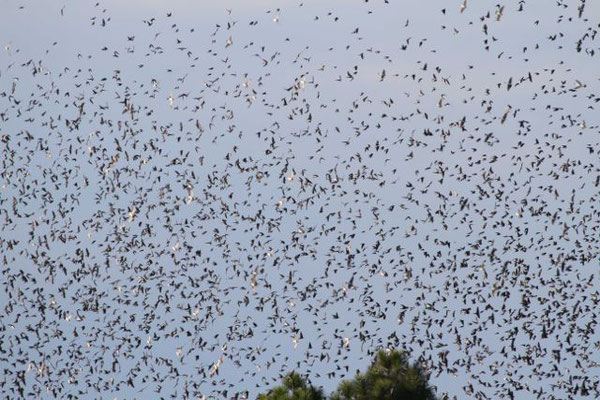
(515,192)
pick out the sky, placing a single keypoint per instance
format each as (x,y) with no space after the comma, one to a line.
(199,197)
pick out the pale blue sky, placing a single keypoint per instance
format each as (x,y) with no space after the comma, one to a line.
(267,286)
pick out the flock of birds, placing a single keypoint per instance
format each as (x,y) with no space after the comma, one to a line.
(191,210)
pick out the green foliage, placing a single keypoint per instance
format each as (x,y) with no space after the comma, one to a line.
(294,387)
(390,377)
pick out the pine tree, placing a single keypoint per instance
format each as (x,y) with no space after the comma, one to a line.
(390,377)
(293,387)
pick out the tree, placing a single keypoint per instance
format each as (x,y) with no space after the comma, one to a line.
(390,377)
(293,387)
